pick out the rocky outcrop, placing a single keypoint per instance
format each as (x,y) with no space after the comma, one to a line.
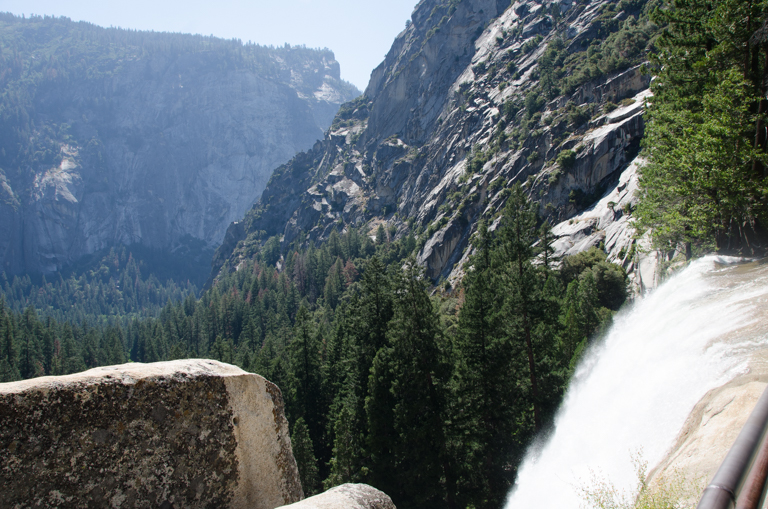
(444,129)
(608,224)
(347,496)
(713,425)
(192,433)
(162,142)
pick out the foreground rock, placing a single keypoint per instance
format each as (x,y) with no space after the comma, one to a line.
(192,433)
(347,496)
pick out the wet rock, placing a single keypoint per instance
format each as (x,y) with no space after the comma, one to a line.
(347,496)
(713,425)
(192,433)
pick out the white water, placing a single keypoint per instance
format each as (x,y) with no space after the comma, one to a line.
(634,391)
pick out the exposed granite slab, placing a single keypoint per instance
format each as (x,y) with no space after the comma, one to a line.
(713,425)
(347,496)
(191,433)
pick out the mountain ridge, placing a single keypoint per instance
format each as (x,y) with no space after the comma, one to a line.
(121,137)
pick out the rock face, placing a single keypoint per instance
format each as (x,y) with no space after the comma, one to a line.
(443,131)
(193,433)
(713,425)
(157,139)
(347,496)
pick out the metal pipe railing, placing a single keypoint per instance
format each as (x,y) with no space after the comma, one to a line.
(751,493)
(736,470)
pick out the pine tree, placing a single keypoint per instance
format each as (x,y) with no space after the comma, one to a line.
(345,464)
(705,183)
(305,457)
(417,374)
(482,428)
(374,313)
(517,235)
(304,353)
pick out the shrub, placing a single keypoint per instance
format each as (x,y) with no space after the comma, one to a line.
(669,491)
(579,115)
(566,159)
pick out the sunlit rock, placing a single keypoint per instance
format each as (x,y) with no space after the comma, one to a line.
(191,433)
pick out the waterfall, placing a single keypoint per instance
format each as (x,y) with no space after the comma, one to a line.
(633,391)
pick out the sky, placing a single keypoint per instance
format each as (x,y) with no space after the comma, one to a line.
(359,32)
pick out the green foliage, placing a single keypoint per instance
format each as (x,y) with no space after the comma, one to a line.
(701,185)
(270,251)
(477,159)
(111,285)
(382,383)
(517,339)
(534,101)
(414,369)
(668,491)
(305,458)
(566,159)
(531,44)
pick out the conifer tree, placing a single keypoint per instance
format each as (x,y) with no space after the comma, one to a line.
(345,464)
(414,366)
(305,458)
(517,235)
(305,367)
(705,184)
(482,429)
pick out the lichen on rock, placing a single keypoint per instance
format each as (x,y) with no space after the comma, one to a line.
(193,433)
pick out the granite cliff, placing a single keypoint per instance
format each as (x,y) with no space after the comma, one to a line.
(121,137)
(473,97)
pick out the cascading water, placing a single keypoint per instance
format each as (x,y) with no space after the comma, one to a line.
(634,391)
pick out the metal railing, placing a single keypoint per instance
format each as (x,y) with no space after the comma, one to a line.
(740,481)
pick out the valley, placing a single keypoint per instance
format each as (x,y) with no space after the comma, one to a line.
(532,206)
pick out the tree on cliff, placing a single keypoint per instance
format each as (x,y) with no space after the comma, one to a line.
(706,182)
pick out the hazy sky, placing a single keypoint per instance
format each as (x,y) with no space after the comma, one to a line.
(359,32)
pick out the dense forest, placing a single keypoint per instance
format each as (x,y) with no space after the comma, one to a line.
(706,184)
(106,287)
(383,381)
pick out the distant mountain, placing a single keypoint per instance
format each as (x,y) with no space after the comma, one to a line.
(111,136)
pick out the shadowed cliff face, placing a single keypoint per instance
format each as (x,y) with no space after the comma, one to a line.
(157,139)
(473,97)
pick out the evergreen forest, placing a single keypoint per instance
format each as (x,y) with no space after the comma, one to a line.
(385,381)
(706,184)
